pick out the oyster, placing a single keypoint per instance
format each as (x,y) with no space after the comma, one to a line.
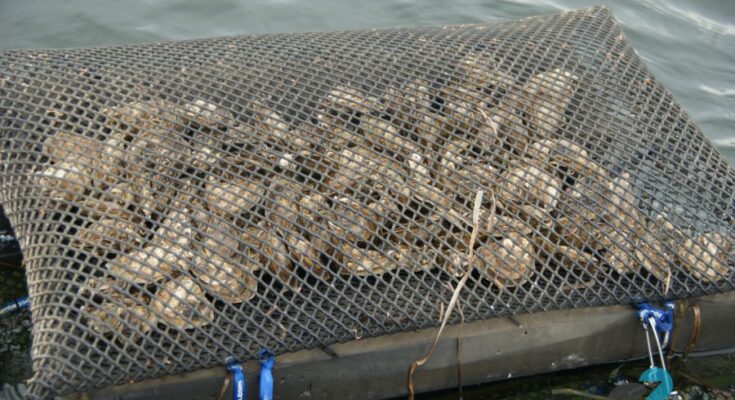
(268,122)
(529,185)
(167,254)
(119,313)
(548,94)
(108,164)
(460,107)
(578,263)
(208,115)
(384,134)
(512,133)
(277,257)
(283,204)
(305,254)
(314,218)
(502,226)
(361,171)
(621,203)
(619,252)
(232,196)
(706,256)
(351,100)
(224,278)
(117,233)
(408,102)
(430,130)
(140,115)
(64,181)
(354,221)
(480,72)
(363,262)
(180,304)
(152,263)
(157,152)
(463,170)
(65,146)
(219,265)
(556,85)
(507,263)
(152,194)
(563,154)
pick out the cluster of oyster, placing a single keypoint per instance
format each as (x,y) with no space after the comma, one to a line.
(186,204)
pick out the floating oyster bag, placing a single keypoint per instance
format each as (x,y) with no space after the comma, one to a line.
(177,203)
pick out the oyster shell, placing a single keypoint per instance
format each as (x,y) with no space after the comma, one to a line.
(65,180)
(619,251)
(120,234)
(565,154)
(555,86)
(158,151)
(479,72)
(180,304)
(268,122)
(168,253)
(152,263)
(277,257)
(232,197)
(409,101)
(314,218)
(224,278)
(578,263)
(363,262)
(507,263)
(126,314)
(139,115)
(460,107)
(354,221)
(651,256)
(306,254)
(463,169)
(283,205)
(208,115)
(65,146)
(351,100)
(384,134)
(529,185)
(113,308)
(706,256)
(220,266)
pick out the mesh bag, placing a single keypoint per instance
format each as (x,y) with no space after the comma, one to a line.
(177,203)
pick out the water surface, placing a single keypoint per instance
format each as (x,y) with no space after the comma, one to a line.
(689,45)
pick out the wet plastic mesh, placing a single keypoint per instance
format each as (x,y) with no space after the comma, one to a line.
(177,203)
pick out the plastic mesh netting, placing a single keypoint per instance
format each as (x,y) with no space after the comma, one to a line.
(177,203)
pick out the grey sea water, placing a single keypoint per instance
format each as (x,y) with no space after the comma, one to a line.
(688,44)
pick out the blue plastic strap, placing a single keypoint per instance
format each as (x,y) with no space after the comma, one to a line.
(14,305)
(266,375)
(664,318)
(238,387)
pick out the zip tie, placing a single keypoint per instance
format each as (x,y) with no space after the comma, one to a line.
(664,319)
(267,360)
(14,305)
(238,387)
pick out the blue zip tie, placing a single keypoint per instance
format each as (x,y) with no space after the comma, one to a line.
(238,386)
(664,318)
(14,305)
(267,360)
